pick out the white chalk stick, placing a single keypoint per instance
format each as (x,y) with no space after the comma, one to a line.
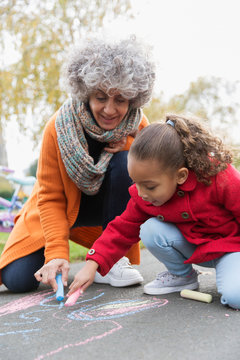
(73,298)
(196,295)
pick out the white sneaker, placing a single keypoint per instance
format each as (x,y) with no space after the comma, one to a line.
(121,274)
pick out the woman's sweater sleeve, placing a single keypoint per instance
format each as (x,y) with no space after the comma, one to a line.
(52,202)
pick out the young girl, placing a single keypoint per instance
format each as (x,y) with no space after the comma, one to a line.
(185,202)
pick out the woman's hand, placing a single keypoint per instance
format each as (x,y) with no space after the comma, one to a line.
(114,147)
(84,278)
(47,273)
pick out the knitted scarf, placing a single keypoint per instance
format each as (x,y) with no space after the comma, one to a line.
(72,118)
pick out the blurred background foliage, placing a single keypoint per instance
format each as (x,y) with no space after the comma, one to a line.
(42,33)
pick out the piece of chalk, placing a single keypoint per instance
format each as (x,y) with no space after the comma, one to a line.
(60,289)
(196,295)
(73,298)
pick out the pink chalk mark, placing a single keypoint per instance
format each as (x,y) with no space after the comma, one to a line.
(73,298)
(159,302)
(23,303)
(81,343)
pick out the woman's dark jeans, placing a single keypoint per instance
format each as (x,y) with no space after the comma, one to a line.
(96,210)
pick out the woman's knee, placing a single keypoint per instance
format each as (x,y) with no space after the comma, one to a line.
(18,276)
(18,282)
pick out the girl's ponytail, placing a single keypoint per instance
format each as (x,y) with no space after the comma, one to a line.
(203,152)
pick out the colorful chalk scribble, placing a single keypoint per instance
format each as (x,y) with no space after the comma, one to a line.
(115,309)
(84,311)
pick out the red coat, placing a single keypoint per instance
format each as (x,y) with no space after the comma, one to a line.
(207,216)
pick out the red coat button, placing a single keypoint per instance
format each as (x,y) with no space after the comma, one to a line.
(91,252)
(185,215)
(180,193)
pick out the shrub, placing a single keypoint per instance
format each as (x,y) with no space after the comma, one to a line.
(6,189)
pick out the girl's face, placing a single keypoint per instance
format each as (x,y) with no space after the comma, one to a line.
(154,184)
(108,111)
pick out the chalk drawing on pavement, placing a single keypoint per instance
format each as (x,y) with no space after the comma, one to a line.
(85,311)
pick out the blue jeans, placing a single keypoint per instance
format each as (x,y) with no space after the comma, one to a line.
(168,245)
(96,210)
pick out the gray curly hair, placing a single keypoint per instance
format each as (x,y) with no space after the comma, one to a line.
(124,67)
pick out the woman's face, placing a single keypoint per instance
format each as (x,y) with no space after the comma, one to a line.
(108,111)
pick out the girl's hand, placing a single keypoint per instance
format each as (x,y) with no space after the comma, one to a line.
(114,147)
(47,273)
(84,278)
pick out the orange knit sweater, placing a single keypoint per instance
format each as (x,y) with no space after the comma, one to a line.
(51,210)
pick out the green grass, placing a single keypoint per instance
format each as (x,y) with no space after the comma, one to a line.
(77,252)
(3,239)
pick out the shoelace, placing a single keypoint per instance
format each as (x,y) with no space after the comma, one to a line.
(165,274)
(124,263)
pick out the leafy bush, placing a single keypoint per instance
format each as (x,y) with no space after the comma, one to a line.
(6,189)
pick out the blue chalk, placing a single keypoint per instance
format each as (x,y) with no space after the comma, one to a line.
(60,290)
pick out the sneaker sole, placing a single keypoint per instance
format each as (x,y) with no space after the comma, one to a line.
(168,290)
(119,283)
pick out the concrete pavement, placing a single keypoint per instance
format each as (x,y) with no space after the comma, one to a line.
(119,323)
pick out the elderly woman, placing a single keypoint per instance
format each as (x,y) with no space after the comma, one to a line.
(82,180)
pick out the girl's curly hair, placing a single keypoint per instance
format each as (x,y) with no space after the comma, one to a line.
(183,141)
(123,66)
